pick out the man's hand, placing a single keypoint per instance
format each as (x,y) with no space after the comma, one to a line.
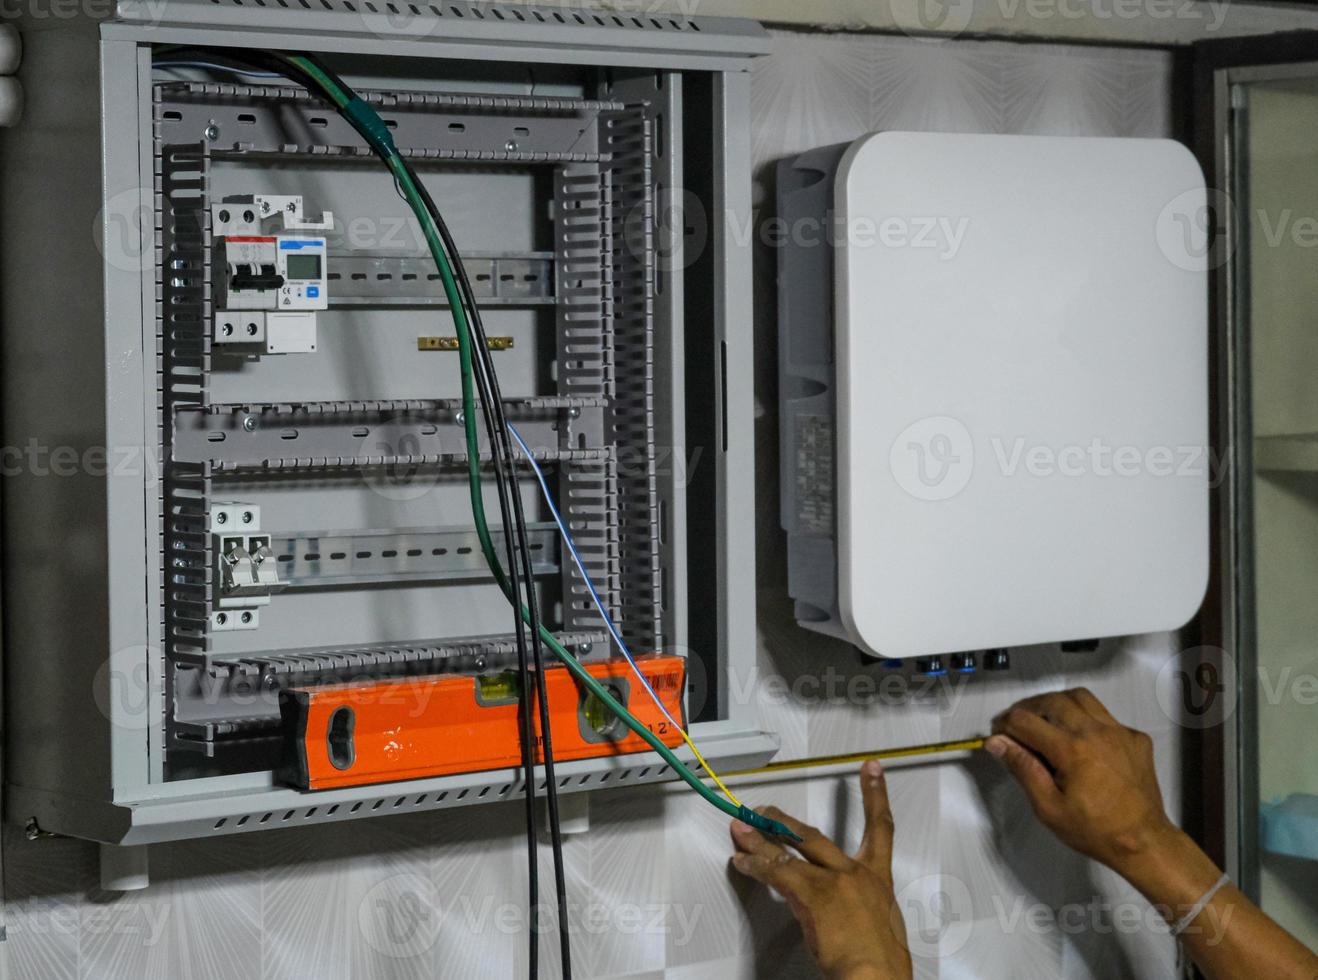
(845,905)
(1090,779)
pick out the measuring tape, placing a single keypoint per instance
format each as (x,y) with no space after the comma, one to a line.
(966,745)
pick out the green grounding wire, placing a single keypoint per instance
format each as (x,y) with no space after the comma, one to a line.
(373,129)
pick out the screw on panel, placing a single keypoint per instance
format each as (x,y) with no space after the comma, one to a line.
(246,617)
(221,518)
(33,831)
(511,146)
(212,133)
(459,418)
(249,216)
(247,517)
(249,423)
(221,619)
(587,647)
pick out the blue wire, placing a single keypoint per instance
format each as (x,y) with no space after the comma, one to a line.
(211,66)
(581,567)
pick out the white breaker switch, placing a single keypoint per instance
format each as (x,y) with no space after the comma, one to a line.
(248,569)
(275,274)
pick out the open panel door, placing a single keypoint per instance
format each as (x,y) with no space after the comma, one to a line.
(1254,682)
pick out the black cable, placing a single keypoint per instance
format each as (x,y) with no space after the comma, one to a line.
(486,367)
(500,455)
(492,409)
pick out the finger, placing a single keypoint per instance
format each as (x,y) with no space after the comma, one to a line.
(791,877)
(813,845)
(1032,731)
(876,845)
(748,840)
(1091,704)
(1060,709)
(1034,778)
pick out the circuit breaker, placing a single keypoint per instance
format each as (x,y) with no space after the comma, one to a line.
(262,351)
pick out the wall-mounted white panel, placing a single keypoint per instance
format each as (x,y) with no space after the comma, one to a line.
(1022,408)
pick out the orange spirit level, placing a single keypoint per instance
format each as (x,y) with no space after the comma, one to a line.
(410,728)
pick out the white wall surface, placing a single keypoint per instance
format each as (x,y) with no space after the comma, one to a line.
(441,894)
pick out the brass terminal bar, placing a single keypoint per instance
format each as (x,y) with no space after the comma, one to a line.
(451,343)
(965,745)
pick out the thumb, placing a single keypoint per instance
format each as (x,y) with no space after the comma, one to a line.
(1030,772)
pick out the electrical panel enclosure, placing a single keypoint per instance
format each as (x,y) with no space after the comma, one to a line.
(258,371)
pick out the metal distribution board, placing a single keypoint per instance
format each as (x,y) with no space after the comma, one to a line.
(280,504)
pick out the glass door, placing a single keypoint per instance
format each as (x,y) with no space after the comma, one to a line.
(1268,293)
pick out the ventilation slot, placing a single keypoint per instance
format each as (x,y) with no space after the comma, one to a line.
(508,14)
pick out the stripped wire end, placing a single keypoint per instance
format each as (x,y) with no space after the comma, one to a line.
(766,825)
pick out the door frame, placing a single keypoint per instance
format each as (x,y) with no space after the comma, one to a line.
(1224,779)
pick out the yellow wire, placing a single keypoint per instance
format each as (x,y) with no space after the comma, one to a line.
(710,772)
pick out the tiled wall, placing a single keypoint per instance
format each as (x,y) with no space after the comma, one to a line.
(441,895)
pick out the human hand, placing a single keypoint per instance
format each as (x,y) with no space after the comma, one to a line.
(1090,779)
(845,905)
